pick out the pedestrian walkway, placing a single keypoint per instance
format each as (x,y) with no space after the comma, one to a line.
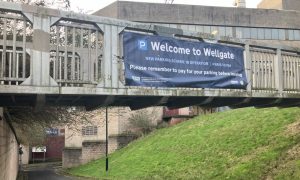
(45,171)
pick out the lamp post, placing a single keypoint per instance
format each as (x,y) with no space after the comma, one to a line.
(106,141)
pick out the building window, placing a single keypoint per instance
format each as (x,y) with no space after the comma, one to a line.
(222,31)
(260,33)
(184,27)
(229,31)
(199,29)
(191,27)
(243,32)
(89,130)
(173,26)
(253,33)
(291,34)
(297,35)
(246,33)
(268,34)
(275,34)
(281,34)
(239,32)
(214,28)
(207,29)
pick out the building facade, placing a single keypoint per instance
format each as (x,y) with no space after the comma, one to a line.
(86,141)
(273,27)
(280,4)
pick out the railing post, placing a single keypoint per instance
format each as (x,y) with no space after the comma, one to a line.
(248,67)
(278,71)
(40,75)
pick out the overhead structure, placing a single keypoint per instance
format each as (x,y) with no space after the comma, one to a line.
(53,57)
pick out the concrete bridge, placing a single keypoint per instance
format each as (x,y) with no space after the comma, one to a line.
(52,57)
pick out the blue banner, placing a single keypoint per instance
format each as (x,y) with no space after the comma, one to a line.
(157,61)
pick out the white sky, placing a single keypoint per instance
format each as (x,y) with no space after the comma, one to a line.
(93,5)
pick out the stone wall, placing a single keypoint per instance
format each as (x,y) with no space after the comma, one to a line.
(71,157)
(93,149)
(8,151)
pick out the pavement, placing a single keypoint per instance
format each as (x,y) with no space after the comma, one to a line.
(46,174)
(45,171)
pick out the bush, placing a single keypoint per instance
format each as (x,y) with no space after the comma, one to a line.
(142,122)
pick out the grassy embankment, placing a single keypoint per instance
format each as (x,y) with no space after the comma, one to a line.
(239,144)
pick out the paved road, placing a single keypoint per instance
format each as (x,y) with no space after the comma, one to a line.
(45,174)
(45,171)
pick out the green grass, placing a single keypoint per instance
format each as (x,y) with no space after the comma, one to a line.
(245,143)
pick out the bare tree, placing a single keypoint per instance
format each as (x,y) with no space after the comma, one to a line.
(144,121)
(31,125)
(61,4)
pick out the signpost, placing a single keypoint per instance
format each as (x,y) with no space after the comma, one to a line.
(39,149)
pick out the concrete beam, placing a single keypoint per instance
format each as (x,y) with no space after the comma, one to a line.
(98,102)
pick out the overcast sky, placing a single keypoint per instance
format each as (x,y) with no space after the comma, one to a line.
(93,5)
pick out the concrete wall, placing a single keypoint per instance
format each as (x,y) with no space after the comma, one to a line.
(26,154)
(8,151)
(203,15)
(291,5)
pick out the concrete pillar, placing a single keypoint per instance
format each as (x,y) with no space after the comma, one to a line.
(278,71)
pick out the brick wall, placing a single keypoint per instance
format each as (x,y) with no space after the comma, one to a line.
(92,150)
(55,146)
(8,151)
